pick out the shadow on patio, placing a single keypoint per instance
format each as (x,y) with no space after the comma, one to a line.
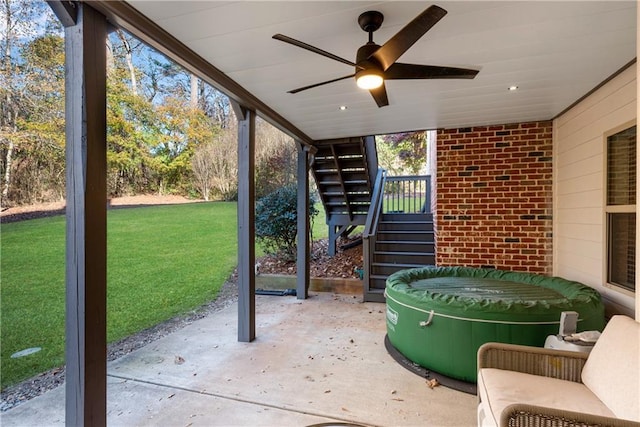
(314,361)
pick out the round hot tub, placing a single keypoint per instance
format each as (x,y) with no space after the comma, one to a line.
(438,317)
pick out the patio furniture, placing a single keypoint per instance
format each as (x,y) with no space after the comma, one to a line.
(438,317)
(528,386)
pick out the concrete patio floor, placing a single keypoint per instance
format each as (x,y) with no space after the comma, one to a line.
(320,360)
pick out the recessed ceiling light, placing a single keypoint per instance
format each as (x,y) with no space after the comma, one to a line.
(343,107)
(513,88)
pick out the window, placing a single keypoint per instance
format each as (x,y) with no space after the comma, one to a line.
(621,209)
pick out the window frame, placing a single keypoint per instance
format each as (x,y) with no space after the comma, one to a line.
(612,209)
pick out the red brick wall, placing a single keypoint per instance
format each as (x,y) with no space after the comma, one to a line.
(494,197)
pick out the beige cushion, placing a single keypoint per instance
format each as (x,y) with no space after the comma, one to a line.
(612,370)
(499,388)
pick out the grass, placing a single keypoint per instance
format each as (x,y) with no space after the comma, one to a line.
(319,228)
(407,204)
(162,261)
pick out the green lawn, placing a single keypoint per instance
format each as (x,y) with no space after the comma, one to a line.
(162,261)
(407,204)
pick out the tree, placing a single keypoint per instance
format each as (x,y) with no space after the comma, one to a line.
(167,131)
(16,31)
(182,130)
(403,153)
(31,103)
(126,43)
(215,166)
(276,159)
(277,221)
(40,135)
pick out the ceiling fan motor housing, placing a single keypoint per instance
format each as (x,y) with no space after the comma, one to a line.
(362,57)
(367,67)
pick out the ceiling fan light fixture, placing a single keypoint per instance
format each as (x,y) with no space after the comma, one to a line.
(374,63)
(369,79)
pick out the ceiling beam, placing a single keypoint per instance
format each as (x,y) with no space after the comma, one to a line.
(125,16)
(65,10)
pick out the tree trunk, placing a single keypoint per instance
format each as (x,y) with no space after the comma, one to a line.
(109,55)
(129,59)
(7,173)
(193,101)
(6,121)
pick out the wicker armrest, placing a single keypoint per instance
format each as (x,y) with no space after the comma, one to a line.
(564,365)
(521,414)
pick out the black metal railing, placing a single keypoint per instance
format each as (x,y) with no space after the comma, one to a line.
(407,194)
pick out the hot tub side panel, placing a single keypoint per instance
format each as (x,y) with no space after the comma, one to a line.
(449,345)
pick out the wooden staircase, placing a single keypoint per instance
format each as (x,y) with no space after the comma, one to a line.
(403,240)
(354,191)
(344,171)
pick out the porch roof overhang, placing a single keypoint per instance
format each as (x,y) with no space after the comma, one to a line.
(555,52)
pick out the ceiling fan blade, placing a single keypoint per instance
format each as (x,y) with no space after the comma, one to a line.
(380,96)
(300,89)
(313,49)
(393,49)
(399,71)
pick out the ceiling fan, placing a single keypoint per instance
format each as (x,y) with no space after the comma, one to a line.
(375,64)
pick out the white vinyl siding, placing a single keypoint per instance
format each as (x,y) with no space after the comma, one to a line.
(579,185)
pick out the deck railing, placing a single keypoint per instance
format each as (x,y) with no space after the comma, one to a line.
(371,227)
(391,194)
(407,194)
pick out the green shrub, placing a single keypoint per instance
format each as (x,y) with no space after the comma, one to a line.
(277,221)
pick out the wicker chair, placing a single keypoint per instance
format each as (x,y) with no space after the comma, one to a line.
(529,386)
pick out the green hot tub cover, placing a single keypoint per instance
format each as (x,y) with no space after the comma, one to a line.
(438,317)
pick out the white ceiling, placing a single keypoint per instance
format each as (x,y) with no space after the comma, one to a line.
(555,52)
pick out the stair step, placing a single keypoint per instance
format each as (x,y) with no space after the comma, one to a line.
(404,257)
(359,200)
(334,186)
(351,162)
(405,246)
(343,218)
(354,178)
(327,170)
(386,269)
(377,283)
(355,149)
(328,158)
(328,181)
(405,236)
(401,254)
(406,217)
(405,226)
(374,295)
